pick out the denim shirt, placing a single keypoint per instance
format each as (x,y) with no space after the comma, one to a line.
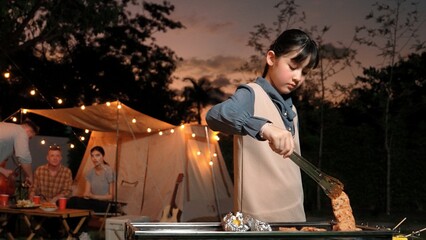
(236,114)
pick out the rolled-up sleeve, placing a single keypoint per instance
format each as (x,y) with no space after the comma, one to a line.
(236,115)
(22,149)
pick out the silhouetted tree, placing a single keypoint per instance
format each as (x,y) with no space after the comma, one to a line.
(201,93)
(394,28)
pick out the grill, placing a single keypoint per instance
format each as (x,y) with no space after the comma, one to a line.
(213,230)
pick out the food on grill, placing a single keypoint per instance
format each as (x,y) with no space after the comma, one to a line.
(312,229)
(48,205)
(287,229)
(303,229)
(242,222)
(343,213)
(25,203)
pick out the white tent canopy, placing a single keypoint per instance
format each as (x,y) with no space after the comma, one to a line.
(151,154)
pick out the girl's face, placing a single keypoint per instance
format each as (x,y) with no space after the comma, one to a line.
(284,74)
(97,158)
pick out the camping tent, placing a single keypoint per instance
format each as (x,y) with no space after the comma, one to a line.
(149,155)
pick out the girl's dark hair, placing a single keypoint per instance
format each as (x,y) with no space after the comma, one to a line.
(99,149)
(295,39)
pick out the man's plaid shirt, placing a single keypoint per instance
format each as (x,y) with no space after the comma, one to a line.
(50,186)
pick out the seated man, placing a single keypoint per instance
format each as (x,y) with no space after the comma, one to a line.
(52,181)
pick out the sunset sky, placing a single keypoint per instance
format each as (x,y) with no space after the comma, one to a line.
(214,40)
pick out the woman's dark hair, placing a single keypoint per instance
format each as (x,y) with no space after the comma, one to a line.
(99,149)
(295,39)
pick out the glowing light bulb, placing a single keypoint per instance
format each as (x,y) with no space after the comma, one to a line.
(83,107)
(72,145)
(6,75)
(119,106)
(33,92)
(214,154)
(134,120)
(172,130)
(43,141)
(182,126)
(82,138)
(198,153)
(108,104)
(60,101)
(211,163)
(149,130)
(25,111)
(216,138)
(14,119)
(193,135)
(86,130)
(160,133)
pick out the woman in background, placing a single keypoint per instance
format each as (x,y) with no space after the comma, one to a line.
(99,188)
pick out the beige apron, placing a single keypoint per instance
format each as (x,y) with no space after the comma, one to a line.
(267,186)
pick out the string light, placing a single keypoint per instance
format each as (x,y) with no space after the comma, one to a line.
(211,163)
(216,137)
(86,130)
(172,130)
(14,119)
(60,101)
(119,106)
(32,92)
(82,138)
(83,107)
(182,126)
(108,104)
(198,153)
(72,145)
(134,120)
(160,133)
(214,154)
(193,135)
(6,75)
(43,142)
(148,130)
(25,111)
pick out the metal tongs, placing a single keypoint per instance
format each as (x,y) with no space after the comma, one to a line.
(331,186)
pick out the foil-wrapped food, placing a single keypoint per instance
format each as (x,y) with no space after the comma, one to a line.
(240,222)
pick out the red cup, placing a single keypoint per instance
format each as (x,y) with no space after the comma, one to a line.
(36,199)
(4,199)
(62,203)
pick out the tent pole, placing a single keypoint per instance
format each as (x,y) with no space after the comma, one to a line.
(116,154)
(212,173)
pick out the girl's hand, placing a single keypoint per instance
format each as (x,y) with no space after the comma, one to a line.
(280,140)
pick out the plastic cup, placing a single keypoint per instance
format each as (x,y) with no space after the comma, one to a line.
(4,199)
(62,203)
(36,199)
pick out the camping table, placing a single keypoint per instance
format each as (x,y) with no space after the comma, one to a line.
(28,214)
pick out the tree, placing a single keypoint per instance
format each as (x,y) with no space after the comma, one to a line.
(112,57)
(394,28)
(202,93)
(52,24)
(364,109)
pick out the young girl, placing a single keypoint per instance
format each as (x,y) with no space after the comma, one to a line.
(267,185)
